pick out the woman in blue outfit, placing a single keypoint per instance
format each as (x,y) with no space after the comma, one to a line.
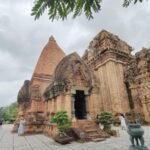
(21,126)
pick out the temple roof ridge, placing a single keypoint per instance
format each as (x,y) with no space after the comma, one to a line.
(105,33)
(104,30)
(105,39)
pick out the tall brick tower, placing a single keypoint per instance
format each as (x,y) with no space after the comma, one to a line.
(30,98)
(107,55)
(43,73)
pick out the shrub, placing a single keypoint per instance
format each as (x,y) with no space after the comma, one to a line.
(106,119)
(62,121)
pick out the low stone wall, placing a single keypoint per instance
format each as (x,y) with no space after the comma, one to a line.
(33,129)
(50,129)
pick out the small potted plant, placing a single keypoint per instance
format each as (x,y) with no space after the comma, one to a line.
(62,122)
(106,119)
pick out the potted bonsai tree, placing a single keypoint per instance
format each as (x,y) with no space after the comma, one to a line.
(62,122)
(106,119)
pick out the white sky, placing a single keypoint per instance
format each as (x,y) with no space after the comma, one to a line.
(22,38)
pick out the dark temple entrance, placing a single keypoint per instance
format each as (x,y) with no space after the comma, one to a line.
(80,105)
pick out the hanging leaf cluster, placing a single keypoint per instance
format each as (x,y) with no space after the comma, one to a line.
(60,9)
(127,2)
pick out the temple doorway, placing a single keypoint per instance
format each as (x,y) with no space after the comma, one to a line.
(80,105)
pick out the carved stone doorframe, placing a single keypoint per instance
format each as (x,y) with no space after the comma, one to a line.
(86,93)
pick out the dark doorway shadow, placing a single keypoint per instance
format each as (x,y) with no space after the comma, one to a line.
(80,105)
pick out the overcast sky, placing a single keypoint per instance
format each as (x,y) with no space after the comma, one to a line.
(22,38)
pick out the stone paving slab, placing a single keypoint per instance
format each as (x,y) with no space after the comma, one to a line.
(9,141)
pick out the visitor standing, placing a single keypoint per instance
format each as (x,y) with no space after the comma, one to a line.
(21,126)
(1,120)
(123,122)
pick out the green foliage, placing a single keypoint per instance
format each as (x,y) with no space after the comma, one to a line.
(62,121)
(60,9)
(9,113)
(106,119)
(128,2)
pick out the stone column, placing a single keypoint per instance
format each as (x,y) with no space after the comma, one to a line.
(73,108)
(87,106)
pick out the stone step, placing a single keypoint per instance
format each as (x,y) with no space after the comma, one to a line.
(98,139)
(93,133)
(87,126)
(90,127)
(94,136)
(85,122)
(90,130)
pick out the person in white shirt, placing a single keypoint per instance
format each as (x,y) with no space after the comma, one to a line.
(21,126)
(123,122)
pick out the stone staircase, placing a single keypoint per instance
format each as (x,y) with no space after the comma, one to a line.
(91,129)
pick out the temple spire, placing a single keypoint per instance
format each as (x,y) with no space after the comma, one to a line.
(49,58)
(52,39)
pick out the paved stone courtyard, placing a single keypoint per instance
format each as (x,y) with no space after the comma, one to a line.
(9,141)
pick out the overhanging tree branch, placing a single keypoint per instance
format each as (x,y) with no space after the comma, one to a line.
(60,9)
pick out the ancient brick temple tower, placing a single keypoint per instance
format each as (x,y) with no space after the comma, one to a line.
(30,96)
(107,78)
(43,74)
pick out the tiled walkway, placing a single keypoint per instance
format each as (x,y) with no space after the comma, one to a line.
(9,141)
